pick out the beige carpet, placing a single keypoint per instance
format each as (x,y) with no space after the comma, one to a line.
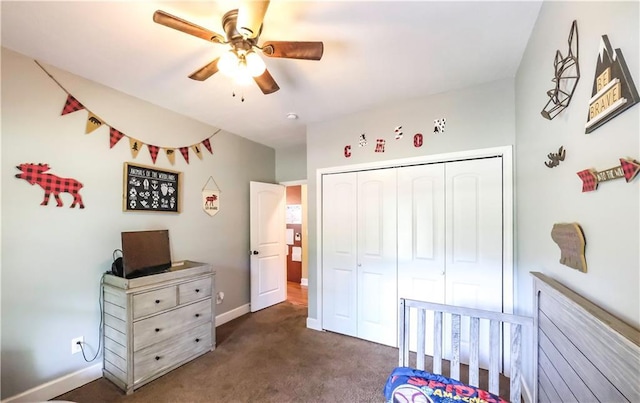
(268,356)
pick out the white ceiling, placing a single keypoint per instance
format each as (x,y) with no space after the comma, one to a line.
(374,53)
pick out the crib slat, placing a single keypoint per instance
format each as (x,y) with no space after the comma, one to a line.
(422,329)
(494,357)
(437,342)
(403,343)
(474,352)
(516,339)
(455,346)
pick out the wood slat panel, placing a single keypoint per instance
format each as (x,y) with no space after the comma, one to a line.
(115,359)
(117,324)
(422,319)
(115,371)
(598,384)
(114,297)
(515,384)
(556,379)
(115,311)
(455,347)
(437,343)
(563,369)
(474,352)
(494,357)
(547,387)
(610,344)
(115,335)
(116,347)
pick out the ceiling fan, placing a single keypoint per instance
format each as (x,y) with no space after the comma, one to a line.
(242,29)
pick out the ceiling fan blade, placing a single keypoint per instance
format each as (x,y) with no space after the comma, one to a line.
(250,16)
(266,83)
(174,22)
(294,50)
(206,71)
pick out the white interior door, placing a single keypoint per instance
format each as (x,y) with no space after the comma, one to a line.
(474,250)
(377,254)
(268,253)
(421,240)
(339,253)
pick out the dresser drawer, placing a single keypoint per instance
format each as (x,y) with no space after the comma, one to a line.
(194,290)
(148,303)
(153,359)
(161,327)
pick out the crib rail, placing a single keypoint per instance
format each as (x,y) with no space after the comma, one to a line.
(496,319)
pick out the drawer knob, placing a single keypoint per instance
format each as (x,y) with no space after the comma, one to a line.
(197,290)
(157,301)
(157,329)
(197,315)
(157,358)
(197,340)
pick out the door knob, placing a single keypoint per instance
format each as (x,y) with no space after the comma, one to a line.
(253,252)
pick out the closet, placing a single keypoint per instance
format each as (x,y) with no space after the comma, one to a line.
(431,232)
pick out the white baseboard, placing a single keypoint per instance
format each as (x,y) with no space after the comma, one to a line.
(313,323)
(232,314)
(58,386)
(304,282)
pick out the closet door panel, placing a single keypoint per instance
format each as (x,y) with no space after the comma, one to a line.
(421,238)
(474,238)
(339,253)
(376,264)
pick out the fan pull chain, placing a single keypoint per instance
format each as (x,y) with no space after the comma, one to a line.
(241,95)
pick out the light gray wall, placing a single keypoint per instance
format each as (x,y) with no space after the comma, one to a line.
(53,258)
(609,216)
(291,163)
(477,117)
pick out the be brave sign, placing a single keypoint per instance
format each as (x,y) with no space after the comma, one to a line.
(613,88)
(151,189)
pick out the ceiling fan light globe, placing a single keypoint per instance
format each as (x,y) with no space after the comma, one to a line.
(228,63)
(255,64)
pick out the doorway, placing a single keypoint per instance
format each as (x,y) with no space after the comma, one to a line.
(296,240)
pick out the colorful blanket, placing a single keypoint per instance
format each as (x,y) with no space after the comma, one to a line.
(407,385)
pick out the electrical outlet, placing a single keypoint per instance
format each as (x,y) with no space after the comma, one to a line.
(219,298)
(75,347)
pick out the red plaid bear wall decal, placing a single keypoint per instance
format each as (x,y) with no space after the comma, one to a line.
(33,173)
(628,169)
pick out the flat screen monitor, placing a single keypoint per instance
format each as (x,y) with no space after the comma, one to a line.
(145,252)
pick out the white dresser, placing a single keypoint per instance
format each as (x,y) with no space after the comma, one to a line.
(156,323)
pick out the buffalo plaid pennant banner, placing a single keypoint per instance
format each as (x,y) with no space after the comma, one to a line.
(207,144)
(94,122)
(380,145)
(185,153)
(71,105)
(153,151)
(114,136)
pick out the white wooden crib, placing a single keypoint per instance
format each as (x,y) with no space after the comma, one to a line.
(497,321)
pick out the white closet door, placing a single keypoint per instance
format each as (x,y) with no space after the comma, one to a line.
(421,240)
(474,238)
(339,253)
(377,270)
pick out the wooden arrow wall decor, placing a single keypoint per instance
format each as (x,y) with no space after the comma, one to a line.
(628,169)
